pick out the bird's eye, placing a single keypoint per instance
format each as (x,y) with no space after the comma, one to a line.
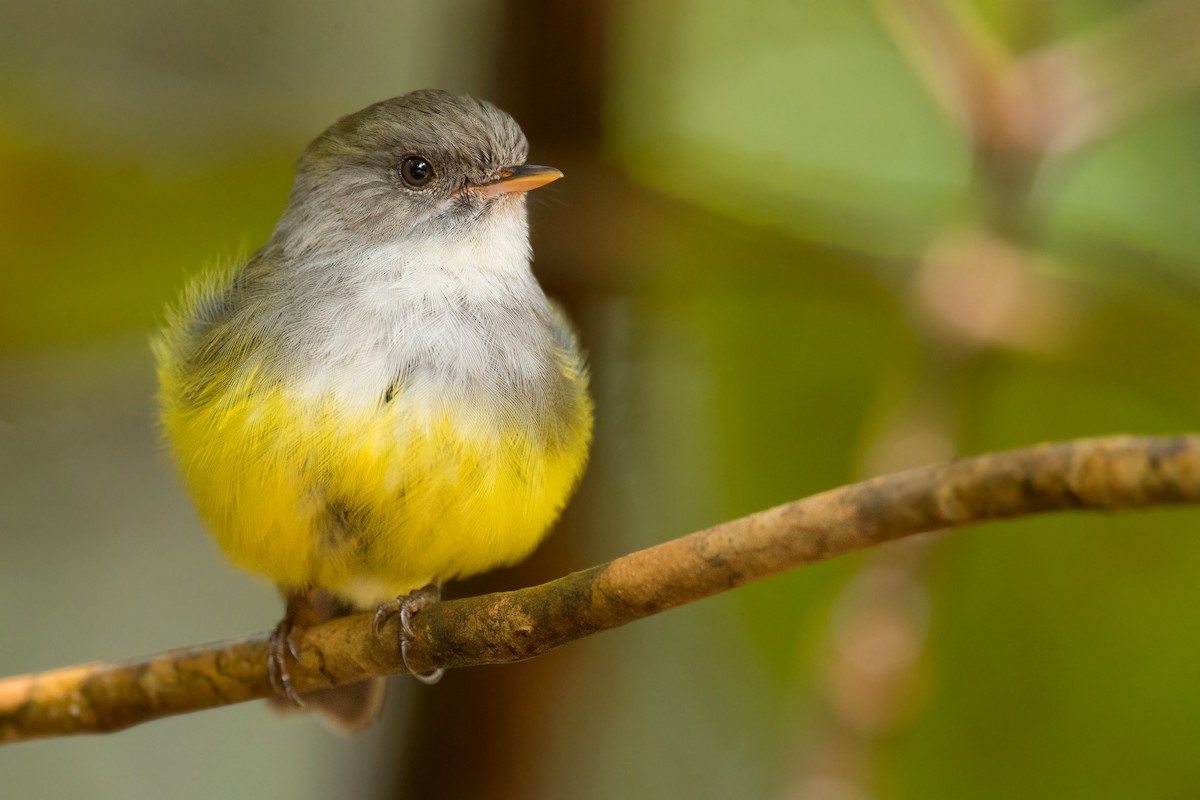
(416,171)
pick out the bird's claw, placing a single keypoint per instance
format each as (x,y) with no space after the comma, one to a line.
(281,644)
(406,606)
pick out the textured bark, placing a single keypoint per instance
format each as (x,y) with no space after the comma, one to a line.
(1101,474)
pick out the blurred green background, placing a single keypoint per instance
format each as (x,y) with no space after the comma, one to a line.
(805,242)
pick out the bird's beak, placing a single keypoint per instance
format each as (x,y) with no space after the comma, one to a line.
(518,179)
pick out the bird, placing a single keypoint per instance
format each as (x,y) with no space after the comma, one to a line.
(382,397)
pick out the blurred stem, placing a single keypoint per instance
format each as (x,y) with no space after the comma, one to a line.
(550,71)
(956,55)
(1111,473)
(1020,109)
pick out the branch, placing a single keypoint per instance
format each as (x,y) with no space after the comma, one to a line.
(1056,99)
(1108,474)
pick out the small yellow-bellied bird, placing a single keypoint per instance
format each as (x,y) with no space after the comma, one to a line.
(382,398)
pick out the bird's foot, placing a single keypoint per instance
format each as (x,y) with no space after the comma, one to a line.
(282,644)
(300,614)
(406,606)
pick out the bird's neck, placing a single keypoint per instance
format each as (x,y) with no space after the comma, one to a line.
(493,247)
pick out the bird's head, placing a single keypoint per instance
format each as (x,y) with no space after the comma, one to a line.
(421,166)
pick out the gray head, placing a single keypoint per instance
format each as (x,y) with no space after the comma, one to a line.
(426,164)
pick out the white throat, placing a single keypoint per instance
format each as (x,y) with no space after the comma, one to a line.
(440,322)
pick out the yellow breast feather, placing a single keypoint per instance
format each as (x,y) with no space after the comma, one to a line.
(370,502)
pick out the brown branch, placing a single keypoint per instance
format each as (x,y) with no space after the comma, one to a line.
(1101,474)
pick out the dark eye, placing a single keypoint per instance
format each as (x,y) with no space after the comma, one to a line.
(416,171)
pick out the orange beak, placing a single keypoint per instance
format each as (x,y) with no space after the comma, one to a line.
(518,179)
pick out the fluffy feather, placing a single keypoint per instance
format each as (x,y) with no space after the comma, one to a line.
(382,397)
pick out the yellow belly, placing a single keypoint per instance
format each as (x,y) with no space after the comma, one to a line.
(370,504)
